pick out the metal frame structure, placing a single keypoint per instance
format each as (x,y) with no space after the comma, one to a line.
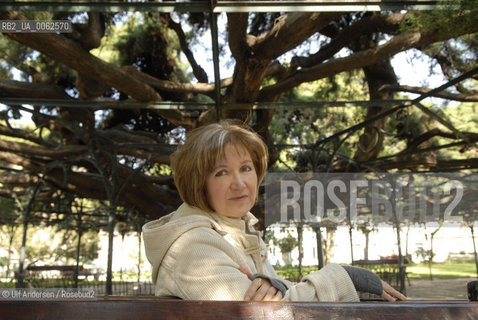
(217,6)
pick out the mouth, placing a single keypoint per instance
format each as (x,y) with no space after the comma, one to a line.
(239,198)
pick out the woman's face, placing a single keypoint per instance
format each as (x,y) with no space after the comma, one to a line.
(232,185)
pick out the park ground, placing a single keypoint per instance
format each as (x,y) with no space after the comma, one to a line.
(448,289)
(449,280)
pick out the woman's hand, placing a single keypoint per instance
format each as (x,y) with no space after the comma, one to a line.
(260,289)
(390,294)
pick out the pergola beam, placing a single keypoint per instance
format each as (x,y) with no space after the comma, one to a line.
(165,105)
(227,6)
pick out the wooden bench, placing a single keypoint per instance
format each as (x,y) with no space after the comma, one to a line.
(154,308)
(66,272)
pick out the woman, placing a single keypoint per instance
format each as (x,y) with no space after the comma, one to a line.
(208,248)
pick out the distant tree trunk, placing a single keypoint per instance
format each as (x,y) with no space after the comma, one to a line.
(472,229)
(107,165)
(432,254)
(111,230)
(286,258)
(300,231)
(123,235)
(139,227)
(139,260)
(11,236)
(377,76)
(351,244)
(78,253)
(328,244)
(365,250)
(26,221)
(430,261)
(320,254)
(401,265)
(79,224)
(21,271)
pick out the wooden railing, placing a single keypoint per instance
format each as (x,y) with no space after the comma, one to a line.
(154,308)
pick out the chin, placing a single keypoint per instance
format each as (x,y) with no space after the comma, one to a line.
(237,215)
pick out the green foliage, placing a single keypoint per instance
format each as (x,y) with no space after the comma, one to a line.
(8,213)
(465,119)
(291,273)
(51,234)
(140,41)
(161,169)
(150,47)
(50,246)
(306,126)
(88,249)
(464,116)
(269,236)
(447,18)
(12,53)
(425,255)
(33,67)
(287,244)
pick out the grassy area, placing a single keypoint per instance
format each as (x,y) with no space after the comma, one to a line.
(445,270)
(292,273)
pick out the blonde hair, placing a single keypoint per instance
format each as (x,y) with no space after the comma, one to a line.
(193,161)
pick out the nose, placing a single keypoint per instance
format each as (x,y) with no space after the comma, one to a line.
(237,182)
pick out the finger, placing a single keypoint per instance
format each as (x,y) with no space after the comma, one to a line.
(278,296)
(270,294)
(391,291)
(246,271)
(388,297)
(262,291)
(251,291)
(397,295)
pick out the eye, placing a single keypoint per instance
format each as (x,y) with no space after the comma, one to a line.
(220,173)
(246,168)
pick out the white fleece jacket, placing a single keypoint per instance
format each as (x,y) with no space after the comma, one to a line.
(196,255)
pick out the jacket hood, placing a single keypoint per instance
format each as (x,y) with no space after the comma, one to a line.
(160,234)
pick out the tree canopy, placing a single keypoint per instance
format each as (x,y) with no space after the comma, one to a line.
(109,101)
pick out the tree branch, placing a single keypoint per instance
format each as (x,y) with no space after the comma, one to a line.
(166,85)
(238,38)
(28,149)
(360,59)
(427,163)
(413,145)
(139,191)
(73,55)
(463,97)
(289,31)
(90,34)
(21,89)
(365,26)
(26,135)
(198,72)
